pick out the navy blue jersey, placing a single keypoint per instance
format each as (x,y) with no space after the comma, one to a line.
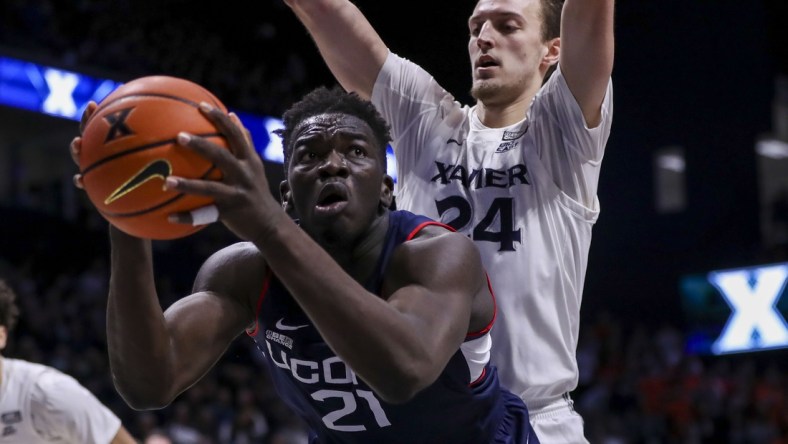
(464,405)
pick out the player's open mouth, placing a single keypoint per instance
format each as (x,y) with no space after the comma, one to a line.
(486,61)
(485,64)
(332,199)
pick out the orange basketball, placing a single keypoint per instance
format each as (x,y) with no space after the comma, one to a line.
(129,148)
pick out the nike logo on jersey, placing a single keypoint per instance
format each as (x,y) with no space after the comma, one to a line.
(455,141)
(281,325)
(514,135)
(159,168)
(481,177)
(510,141)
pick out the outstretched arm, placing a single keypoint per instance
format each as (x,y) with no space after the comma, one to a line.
(352,49)
(587,53)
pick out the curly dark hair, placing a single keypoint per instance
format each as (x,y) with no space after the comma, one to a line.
(9,312)
(323,100)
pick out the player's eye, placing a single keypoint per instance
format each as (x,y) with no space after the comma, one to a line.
(358,152)
(509,27)
(306,156)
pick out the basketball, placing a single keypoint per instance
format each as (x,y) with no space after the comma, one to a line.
(129,148)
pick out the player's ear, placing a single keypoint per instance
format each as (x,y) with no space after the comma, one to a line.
(3,336)
(284,194)
(386,192)
(551,52)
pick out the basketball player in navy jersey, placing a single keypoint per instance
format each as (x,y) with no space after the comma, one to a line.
(517,171)
(375,325)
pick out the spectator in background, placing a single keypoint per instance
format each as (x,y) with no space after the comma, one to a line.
(40,404)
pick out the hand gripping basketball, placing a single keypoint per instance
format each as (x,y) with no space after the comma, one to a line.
(243,198)
(128,148)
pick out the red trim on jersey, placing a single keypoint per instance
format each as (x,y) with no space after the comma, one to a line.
(420,226)
(485,330)
(479,379)
(263,292)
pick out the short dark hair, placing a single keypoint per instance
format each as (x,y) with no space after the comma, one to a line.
(9,312)
(551,18)
(551,25)
(323,100)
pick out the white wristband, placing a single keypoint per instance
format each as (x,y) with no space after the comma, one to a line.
(205,215)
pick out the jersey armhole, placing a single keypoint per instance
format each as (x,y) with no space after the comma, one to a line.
(486,329)
(252,329)
(421,226)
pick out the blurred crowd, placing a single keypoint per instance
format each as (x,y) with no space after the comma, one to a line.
(250,65)
(637,383)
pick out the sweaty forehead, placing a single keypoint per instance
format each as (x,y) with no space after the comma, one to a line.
(331,124)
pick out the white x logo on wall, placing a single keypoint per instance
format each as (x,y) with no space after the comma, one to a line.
(755,322)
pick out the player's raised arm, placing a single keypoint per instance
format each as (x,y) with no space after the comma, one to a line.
(351,48)
(587,52)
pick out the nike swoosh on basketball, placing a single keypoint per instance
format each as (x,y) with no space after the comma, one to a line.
(159,168)
(281,326)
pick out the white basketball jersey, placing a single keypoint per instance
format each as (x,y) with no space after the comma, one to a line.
(526,194)
(40,405)
(15,415)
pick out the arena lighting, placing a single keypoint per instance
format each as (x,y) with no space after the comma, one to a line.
(737,310)
(65,94)
(672,162)
(772,148)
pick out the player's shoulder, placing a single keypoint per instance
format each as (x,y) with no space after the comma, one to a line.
(50,378)
(239,254)
(231,268)
(436,241)
(20,366)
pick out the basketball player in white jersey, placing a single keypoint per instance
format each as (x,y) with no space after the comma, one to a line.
(40,405)
(517,172)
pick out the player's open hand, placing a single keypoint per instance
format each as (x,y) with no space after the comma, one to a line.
(243,201)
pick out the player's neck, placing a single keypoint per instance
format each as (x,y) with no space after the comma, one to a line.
(360,260)
(503,114)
